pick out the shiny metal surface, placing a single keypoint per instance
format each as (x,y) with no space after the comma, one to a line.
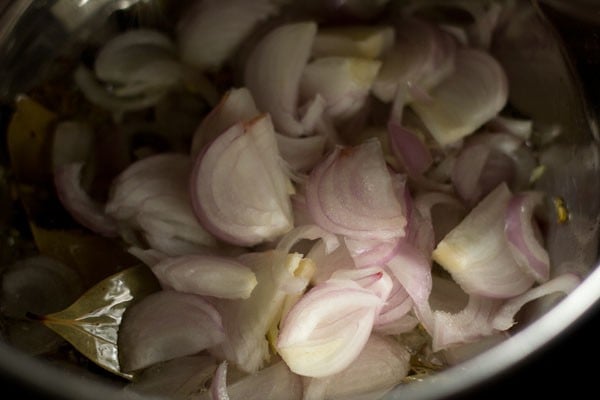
(545,84)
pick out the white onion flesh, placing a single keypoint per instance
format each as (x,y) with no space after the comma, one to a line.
(83,208)
(235,106)
(137,62)
(273,72)
(239,189)
(343,82)
(421,58)
(351,193)
(218,386)
(275,382)
(370,42)
(522,238)
(212,31)
(206,275)
(471,96)
(178,378)
(152,195)
(327,328)
(247,322)
(167,325)
(378,368)
(476,252)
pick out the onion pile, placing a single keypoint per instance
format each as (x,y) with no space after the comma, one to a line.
(349,179)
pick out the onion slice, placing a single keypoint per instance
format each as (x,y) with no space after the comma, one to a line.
(380,366)
(167,325)
(471,96)
(211,31)
(273,72)
(137,62)
(235,106)
(247,322)
(238,187)
(409,149)
(218,386)
(522,239)
(206,275)
(327,328)
(152,195)
(343,82)
(477,255)
(362,41)
(81,206)
(351,193)
(504,318)
(421,58)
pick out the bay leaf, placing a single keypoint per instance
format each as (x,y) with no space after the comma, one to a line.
(29,138)
(91,323)
(92,256)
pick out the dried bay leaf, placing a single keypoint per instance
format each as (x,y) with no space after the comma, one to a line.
(29,137)
(91,324)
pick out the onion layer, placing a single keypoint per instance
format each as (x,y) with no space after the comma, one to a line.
(206,275)
(351,193)
(476,252)
(238,187)
(167,325)
(328,328)
(274,70)
(472,95)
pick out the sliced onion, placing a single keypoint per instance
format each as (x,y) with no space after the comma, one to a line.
(451,212)
(152,195)
(351,193)
(476,252)
(485,161)
(328,262)
(147,256)
(459,353)
(308,232)
(375,279)
(521,128)
(273,382)
(396,308)
(239,189)
(138,62)
(522,239)
(362,41)
(328,328)
(301,154)
(409,149)
(422,57)
(247,322)
(274,70)
(472,95)
(73,142)
(97,94)
(211,31)
(177,378)
(218,386)
(381,365)
(366,253)
(413,271)
(164,242)
(206,275)
(80,205)
(504,318)
(343,82)
(468,325)
(164,326)
(235,106)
